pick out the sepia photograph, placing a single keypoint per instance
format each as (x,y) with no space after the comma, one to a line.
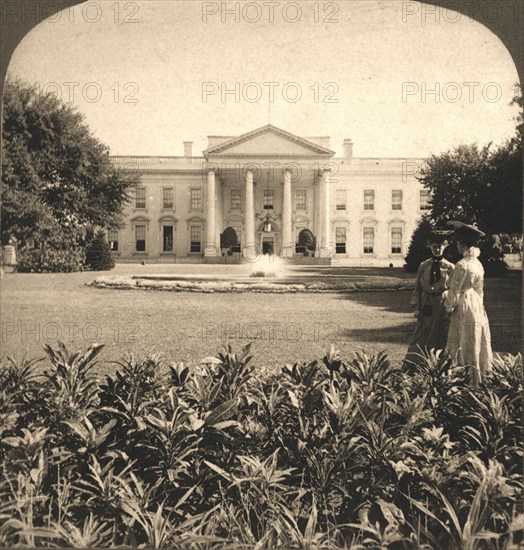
(261,274)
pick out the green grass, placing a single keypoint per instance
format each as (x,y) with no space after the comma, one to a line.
(190,326)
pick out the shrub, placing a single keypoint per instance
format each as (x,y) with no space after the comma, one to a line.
(49,259)
(229,240)
(491,252)
(307,241)
(262,273)
(492,257)
(98,253)
(418,250)
(328,454)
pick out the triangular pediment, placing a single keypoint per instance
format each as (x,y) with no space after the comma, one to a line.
(140,218)
(268,141)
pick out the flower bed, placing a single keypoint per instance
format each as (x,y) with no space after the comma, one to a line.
(248,285)
(331,454)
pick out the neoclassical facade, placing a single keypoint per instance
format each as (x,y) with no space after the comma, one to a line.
(268,185)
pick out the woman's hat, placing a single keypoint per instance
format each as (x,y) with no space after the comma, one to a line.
(466,232)
(439,236)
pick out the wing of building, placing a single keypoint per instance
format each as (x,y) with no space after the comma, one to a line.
(269,185)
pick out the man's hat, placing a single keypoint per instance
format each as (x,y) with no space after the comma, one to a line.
(439,236)
(466,232)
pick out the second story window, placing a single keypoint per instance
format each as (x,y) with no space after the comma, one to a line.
(369,199)
(236,199)
(396,200)
(167,200)
(300,199)
(424,199)
(196,198)
(340,196)
(140,197)
(268,199)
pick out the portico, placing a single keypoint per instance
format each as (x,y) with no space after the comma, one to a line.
(257,174)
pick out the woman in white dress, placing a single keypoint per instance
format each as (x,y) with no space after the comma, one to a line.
(469,338)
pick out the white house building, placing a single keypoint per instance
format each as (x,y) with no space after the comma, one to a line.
(268,185)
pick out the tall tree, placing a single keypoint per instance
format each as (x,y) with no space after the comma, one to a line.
(457,180)
(480,184)
(58,180)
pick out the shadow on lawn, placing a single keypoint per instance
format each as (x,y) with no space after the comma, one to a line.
(351,272)
(400,334)
(502,299)
(397,301)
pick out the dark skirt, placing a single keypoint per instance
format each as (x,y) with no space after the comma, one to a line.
(430,332)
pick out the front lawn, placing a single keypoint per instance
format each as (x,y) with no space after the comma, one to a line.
(39,308)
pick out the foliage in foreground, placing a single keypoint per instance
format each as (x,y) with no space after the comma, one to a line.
(331,454)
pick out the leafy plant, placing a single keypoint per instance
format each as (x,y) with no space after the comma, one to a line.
(330,454)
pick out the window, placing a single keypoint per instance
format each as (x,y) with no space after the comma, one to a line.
(140,197)
(140,238)
(424,199)
(369,240)
(112,237)
(167,238)
(195,233)
(340,236)
(268,199)
(168,202)
(340,196)
(196,198)
(396,200)
(236,199)
(300,199)
(396,240)
(369,199)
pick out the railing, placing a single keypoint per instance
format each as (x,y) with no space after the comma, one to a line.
(353,163)
(156,160)
(369,161)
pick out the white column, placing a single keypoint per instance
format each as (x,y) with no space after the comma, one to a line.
(288,246)
(211,248)
(219,210)
(326,211)
(249,247)
(318,210)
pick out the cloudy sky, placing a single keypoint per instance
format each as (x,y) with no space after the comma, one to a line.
(149,75)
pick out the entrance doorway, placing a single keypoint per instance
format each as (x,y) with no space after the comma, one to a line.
(268,244)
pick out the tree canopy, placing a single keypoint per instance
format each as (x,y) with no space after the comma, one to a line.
(478,184)
(58,180)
